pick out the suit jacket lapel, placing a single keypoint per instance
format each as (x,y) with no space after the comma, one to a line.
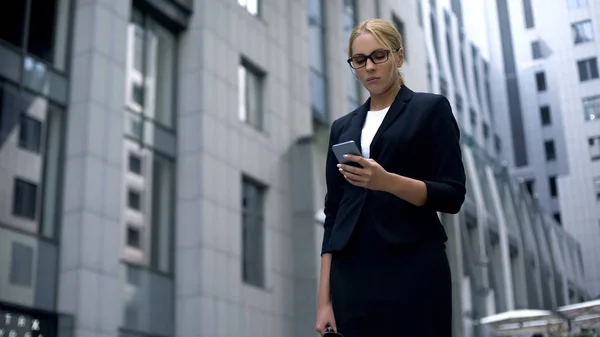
(395,110)
(358,121)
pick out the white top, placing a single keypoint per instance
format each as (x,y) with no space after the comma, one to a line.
(372,123)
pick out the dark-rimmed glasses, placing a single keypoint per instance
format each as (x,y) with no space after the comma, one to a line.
(377,56)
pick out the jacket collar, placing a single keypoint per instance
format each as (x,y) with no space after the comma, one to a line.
(360,115)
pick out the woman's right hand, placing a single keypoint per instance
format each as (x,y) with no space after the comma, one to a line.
(325,318)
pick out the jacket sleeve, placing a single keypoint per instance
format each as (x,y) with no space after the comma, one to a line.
(334,190)
(446,188)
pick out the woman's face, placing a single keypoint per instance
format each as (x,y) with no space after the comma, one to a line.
(376,77)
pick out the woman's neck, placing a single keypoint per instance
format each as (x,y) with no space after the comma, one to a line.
(385,99)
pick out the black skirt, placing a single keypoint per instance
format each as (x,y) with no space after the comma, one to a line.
(380,289)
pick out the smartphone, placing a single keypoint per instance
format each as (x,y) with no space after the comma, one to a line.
(330,333)
(348,147)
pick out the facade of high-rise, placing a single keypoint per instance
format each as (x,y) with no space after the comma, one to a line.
(162,164)
(555,114)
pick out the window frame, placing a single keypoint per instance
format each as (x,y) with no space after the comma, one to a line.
(261,190)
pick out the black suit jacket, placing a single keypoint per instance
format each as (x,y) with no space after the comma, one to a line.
(418,138)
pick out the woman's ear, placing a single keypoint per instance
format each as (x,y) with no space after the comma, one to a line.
(400,58)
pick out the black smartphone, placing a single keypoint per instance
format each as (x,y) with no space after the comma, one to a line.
(330,333)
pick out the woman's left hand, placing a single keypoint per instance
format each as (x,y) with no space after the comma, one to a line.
(371,175)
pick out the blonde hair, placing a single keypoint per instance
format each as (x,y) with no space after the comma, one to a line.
(384,32)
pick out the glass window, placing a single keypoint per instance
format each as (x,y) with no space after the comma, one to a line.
(162,213)
(253,233)
(150,70)
(591,108)
(400,27)
(46,36)
(21,267)
(553,188)
(251,95)
(545,115)
(135,163)
(250,5)
(588,69)
(30,134)
(350,20)
(498,144)
(149,152)
(540,81)
(576,3)
(550,150)
(529,184)
(594,146)
(582,31)
(528,10)
(486,131)
(597,187)
(134,239)
(536,50)
(134,200)
(557,217)
(316,55)
(476,70)
(25,199)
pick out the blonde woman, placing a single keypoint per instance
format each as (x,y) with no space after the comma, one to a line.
(384,270)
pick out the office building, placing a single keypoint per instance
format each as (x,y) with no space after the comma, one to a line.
(162,165)
(555,114)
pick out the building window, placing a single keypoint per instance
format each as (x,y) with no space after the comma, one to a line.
(316,59)
(250,5)
(591,108)
(553,188)
(597,187)
(594,146)
(443,86)
(30,134)
(473,117)
(150,147)
(251,94)
(588,69)
(540,80)
(582,31)
(476,70)
(43,135)
(420,14)
(449,45)
(572,4)
(498,144)
(400,27)
(25,199)
(529,185)
(545,115)
(486,131)
(150,71)
(38,26)
(21,267)
(550,150)
(528,10)
(350,20)
(557,218)
(536,50)
(253,233)
(134,237)
(135,164)
(134,200)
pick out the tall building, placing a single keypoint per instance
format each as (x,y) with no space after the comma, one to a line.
(162,164)
(555,113)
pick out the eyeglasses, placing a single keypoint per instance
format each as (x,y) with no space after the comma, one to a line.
(377,57)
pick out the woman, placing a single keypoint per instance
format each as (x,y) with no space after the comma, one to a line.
(384,270)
